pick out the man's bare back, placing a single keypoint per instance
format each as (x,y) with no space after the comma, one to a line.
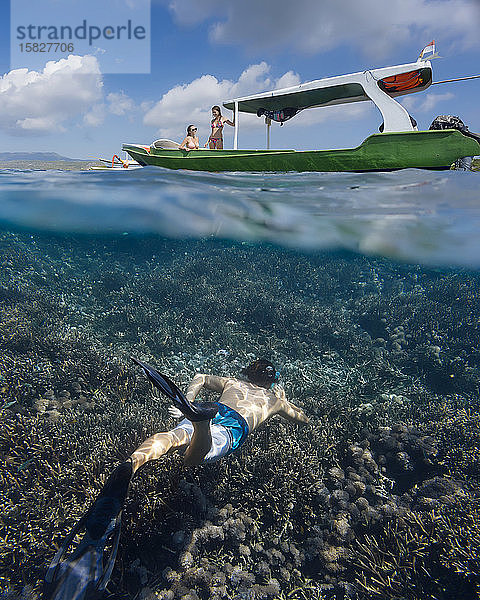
(256,404)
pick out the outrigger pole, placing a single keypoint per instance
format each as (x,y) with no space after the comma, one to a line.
(453,80)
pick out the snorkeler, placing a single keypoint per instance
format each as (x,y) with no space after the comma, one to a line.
(207,432)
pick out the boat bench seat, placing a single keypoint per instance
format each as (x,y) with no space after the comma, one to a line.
(164,145)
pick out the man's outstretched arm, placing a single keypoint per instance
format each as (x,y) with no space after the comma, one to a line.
(288,410)
(291,412)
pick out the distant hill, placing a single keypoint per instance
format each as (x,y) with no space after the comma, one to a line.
(44,156)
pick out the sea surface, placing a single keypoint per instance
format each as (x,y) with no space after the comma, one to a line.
(362,289)
(419,216)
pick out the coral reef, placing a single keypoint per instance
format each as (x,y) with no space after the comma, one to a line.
(376,498)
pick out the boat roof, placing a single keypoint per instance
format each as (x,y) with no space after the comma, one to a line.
(329,91)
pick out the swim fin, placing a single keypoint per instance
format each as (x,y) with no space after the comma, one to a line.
(85,574)
(193,411)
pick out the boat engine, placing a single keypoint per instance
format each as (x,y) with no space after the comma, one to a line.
(452,122)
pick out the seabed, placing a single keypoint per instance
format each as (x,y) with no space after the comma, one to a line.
(376,498)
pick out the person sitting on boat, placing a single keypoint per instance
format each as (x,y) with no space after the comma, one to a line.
(215,141)
(191,141)
(207,432)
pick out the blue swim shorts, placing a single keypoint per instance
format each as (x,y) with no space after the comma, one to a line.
(229,431)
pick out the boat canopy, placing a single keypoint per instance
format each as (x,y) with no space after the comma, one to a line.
(379,85)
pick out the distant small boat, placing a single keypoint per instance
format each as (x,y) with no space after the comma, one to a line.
(116,164)
(399,145)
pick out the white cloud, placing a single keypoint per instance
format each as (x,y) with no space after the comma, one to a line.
(191,103)
(36,124)
(186,104)
(44,101)
(427,102)
(120,104)
(311,26)
(95,116)
(192,12)
(288,79)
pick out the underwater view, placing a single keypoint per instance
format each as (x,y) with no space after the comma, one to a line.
(361,290)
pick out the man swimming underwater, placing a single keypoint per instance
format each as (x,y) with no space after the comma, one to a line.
(208,432)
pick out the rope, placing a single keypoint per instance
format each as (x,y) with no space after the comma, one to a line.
(459,79)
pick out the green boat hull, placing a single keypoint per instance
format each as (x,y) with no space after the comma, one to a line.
(380,152)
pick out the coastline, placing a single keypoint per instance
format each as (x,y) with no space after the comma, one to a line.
(49,165)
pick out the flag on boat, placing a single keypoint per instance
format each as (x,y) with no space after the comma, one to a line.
(428,50)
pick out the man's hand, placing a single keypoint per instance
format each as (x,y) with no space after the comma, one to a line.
(301,416)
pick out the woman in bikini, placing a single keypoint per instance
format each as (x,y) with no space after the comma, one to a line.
(191,141)
(215,141)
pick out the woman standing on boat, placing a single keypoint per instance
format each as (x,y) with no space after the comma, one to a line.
(215,141)
(191,141)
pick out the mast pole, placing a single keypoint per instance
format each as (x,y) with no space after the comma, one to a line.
(235,135)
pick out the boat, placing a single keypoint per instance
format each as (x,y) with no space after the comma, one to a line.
(398,145)
(115,164)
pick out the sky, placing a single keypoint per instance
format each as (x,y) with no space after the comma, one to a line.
(197,53)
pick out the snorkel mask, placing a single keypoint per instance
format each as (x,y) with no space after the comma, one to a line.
(262,372)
